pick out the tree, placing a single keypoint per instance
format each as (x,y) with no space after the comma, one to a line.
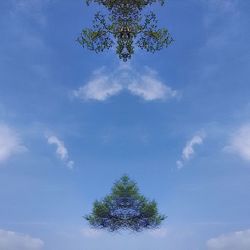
(125,208)
(126,26)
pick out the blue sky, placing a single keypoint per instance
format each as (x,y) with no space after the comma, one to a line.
(72,122)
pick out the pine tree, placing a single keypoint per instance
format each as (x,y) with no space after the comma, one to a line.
(125,209)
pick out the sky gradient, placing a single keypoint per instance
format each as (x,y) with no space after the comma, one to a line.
(72,122)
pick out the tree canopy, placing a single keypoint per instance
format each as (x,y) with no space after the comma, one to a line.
(125,26)
(125,209)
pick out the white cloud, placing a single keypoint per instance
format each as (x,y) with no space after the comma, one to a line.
(99,88)
(10,143)
(188,151)
(61,150)
(106,84)
(233,241)
(150,88)
(240,142)
(16,241)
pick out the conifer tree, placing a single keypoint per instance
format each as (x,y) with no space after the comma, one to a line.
(125,209)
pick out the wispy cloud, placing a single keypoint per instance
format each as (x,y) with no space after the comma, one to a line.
(10,143)
(240,142)
(149,87)
(61,150)
(16,241)
(159,233)
(222,5)
(26,21)
(105,84)
(189,150)
(90,233)
(30,9)
(100,87)
(227,29)
(237,240)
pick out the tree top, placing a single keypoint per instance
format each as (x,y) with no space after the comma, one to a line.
(125,209)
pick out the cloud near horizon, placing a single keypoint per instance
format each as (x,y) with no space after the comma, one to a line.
(16,241)
(233,241)
(106,84)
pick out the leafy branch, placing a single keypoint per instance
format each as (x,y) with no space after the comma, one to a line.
(125,27)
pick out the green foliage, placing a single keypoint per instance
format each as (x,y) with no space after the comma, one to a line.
(126,26)
(125,208)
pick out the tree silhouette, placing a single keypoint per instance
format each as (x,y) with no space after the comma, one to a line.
(125,208)
(125,26)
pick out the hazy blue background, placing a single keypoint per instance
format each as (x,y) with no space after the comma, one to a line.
(189,103)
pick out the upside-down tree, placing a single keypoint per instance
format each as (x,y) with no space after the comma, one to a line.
(125,25)
(125,209)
